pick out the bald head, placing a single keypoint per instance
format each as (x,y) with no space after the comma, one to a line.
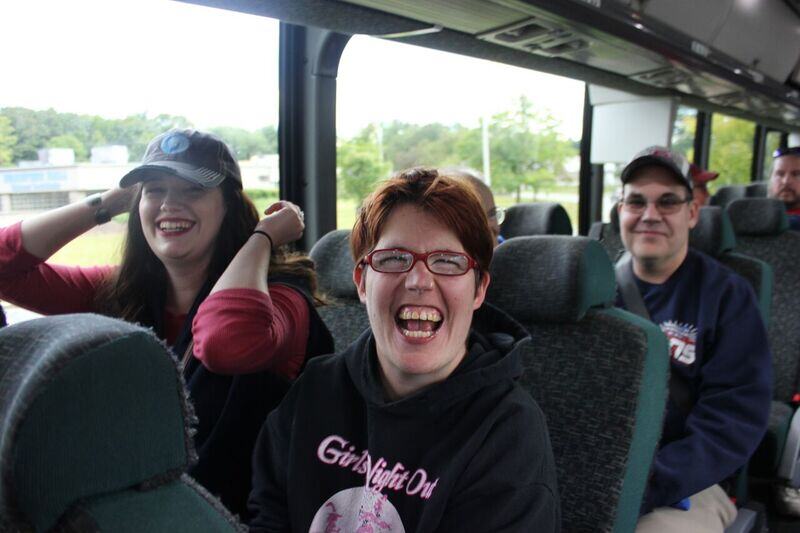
(483,191)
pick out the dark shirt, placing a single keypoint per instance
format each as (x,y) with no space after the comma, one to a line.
(719,350)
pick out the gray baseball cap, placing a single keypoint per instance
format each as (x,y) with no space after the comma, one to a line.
(662,157)
(195,156)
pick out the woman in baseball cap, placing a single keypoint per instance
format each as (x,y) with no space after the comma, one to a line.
(205,273)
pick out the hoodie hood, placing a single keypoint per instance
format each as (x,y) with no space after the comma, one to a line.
(493,356)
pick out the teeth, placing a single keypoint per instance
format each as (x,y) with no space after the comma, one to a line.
(174,226)
(431,315)
(417,334)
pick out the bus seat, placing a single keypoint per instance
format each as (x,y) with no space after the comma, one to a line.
(757,189)
(761,228)
(609,236)
(713,235)
(95,432)
(727,194)
(345,315)
(538,218)
(598,373)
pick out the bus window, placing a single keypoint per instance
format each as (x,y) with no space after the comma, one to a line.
(76,115)
(400,106)
(683,131)
(731,150)
(773,142)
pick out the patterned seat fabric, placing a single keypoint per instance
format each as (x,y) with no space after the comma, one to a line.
(609,236)
(713,235)
(727,194)
(345,315)
(94,420)
(761,232)
(540,218)
(598,373)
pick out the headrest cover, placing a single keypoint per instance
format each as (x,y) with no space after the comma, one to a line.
(713,234)
(540,218)
(90,405)
(613,217)
(757,189)
(758,216)
(334,264)
(551,278)
(725,195)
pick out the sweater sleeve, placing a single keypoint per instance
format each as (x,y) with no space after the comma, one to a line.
(510,485)
(240,331)
(29,282)
(730,415)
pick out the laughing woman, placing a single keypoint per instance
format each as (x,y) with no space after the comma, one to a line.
(420,424)
(194,268)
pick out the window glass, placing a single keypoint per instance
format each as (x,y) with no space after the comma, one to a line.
(683,131)
(773,142)
(400,106)
(96,80)
(731,150)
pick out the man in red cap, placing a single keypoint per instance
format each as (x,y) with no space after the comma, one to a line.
(700,178)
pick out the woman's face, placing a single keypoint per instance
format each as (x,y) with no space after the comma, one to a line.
(180,220)
(414,353)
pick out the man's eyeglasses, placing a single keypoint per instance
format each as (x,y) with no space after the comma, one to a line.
(666,205)
(780,152)
(398,260)
(497,213)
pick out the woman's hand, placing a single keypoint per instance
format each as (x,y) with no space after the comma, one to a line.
(283,222)
(118,200)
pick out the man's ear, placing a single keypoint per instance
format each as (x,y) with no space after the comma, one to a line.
(360,279)
(694,214)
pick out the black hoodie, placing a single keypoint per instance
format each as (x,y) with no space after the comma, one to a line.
(470,453)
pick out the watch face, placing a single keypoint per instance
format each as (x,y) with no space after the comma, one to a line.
(101,216)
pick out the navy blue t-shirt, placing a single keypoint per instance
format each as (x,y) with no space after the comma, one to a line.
(718,348)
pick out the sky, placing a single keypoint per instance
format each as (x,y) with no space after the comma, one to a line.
(115,58)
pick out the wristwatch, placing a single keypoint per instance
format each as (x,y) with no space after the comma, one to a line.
(101,214)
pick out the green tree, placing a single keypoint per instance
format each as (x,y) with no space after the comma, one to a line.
(731,149)
(683,131)
(244,143)
(359,164)
(7,141)
(68,141)
(527,150)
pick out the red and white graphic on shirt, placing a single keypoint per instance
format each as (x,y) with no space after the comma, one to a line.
(358,510)
(682,341)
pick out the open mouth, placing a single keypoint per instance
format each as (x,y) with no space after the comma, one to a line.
(174,227)
(418,322)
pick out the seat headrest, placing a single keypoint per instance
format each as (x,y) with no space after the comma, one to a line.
(89,405)
(334,264)
(540,218)
(613,217)
(725,195)
(551,278)
(757,189)
(713,234)
(758,216)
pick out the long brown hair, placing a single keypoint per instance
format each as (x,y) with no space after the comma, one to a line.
(141,277)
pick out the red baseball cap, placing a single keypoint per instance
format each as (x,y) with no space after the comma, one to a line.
(700,176)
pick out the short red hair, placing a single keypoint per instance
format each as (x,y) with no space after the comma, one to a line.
(446,198)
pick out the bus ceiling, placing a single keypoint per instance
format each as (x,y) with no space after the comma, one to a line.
(738,57)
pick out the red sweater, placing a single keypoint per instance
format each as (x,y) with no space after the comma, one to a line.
(235,331)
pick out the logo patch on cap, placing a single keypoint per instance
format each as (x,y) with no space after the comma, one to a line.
(174,143)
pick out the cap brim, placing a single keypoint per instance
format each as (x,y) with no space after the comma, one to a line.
(199,175)
(646,161)
(705,176)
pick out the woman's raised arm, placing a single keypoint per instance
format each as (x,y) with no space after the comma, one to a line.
(44,234)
